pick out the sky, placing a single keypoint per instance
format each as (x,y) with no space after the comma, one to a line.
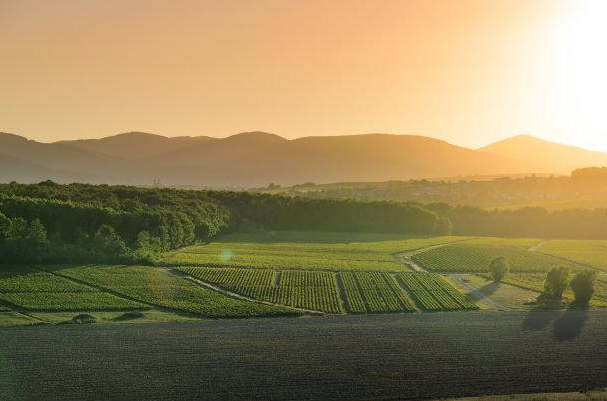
(467,71)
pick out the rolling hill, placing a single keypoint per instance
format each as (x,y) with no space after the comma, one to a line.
(254,159)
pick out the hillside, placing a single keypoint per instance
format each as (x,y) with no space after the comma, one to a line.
(256,159)
(546,157)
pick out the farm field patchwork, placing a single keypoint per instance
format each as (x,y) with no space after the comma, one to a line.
(158,287)
(374,292)
(314,290)
(476,255)
(35,290)
(588,252)
(302,250)
(434,293)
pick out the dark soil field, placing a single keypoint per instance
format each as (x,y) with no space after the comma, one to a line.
(407,356)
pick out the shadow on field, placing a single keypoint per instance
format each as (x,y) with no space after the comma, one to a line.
(489,288)
(569,325)
(539,318)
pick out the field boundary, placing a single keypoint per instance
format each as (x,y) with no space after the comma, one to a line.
(236,295)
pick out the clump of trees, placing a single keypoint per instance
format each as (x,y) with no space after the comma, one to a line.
(582,285)
(499,268)
(556,283)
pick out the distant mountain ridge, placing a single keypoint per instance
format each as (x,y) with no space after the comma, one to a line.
(254,159)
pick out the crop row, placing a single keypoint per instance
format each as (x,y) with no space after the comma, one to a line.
(160,288)
(433,293)
(374,292)
(313,290)
(467,257)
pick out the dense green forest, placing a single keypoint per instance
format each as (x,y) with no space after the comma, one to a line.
(81,222)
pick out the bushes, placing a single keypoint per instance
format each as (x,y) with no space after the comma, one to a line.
(556,282)
(499,268)
(582,285)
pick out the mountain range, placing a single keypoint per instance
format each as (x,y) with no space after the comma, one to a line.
(256,159)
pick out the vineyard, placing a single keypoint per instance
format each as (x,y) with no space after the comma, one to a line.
(588,252)
(158,288)
(475,256)
(42,291)
(433,293)
(374,292)
(313,290)
(300,250)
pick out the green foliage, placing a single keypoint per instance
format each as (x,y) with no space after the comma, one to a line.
(477,255)
(433,293)
(556,282)
(374,292)
(499,268)
(582,285)
(300,289)
(302,250)
(160,288)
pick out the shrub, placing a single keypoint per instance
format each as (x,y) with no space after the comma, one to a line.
(556,282)
(84,318)
(582,285)
(499,268)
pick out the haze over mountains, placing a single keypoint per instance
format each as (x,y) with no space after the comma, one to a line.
(256,159)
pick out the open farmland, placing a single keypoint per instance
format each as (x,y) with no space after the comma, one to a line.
(35,290)
(303,250)
(535,282)
(433,293)
(405,356)
(314,290)
(474,256)
(374,292)
(587,252)
(159,288)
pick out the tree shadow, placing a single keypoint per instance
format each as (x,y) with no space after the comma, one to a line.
(539,318)
(489,288)
(570,324)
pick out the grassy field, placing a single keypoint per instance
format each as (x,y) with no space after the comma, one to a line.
(476,255)
(303,250)
(293,273)
(535,282)
(158,287)
(404,356)
(588,252)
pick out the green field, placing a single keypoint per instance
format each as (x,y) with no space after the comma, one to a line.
(476,255)
(433,293)
(374,292)
(303,250)
(535,282)
(588,252)
(313,290)
(158,287)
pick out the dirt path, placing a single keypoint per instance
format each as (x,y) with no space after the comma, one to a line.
(537,246)
(459,279)
(406,258)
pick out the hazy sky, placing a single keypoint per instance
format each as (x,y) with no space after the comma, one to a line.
(467,71)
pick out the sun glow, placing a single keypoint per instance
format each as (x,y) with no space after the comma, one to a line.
(582,71)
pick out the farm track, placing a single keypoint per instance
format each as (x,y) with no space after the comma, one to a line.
(458,278)
(342,294)
(232,294)
(407,259)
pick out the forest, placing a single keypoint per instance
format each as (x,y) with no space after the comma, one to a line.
(48,222)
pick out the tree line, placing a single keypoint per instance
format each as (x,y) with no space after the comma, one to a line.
(83,222)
